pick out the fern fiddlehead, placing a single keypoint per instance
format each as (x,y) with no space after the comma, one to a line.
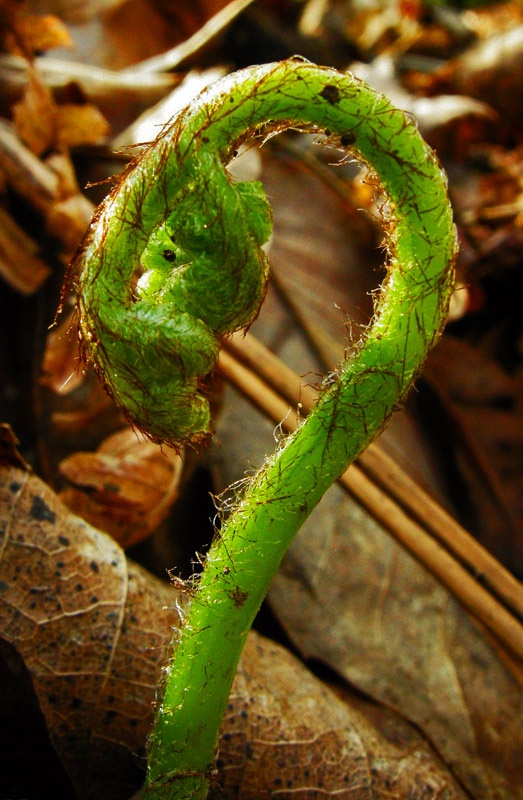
(173,262)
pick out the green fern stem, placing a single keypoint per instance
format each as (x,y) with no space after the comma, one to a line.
(177,204)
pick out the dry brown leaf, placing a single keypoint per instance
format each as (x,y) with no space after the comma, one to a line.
(314,256)
(80,124)
(38,33)
(35,116)
(351,597)
(469,376)
(72,607)
(93,630)
(286,735)
(43,125)
(60,368)
(9,454)
(126,488)
(89,412)
(488,403)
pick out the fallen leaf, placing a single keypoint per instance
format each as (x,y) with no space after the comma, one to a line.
(35,115)
(38,33)
(349,596)
(486,382)
(316,258)
(44,125)
(286,735)
(126,488)
(60,364)
(486,405)
(93,631)
(72,606)
(9,455)
(80,124)
(76,413)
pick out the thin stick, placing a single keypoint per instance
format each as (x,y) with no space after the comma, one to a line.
(95,81)
(406,530)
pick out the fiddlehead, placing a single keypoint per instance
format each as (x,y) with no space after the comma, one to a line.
(176,216)
(171,263)
(153,338)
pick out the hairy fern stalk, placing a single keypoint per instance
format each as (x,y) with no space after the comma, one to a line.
(172,263)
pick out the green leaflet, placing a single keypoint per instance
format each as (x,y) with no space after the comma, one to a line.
(176,216)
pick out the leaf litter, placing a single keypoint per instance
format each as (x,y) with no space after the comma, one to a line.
(93,629)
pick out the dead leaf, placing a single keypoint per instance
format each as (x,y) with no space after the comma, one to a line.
(80,124)
(35,115)
(315,259)
(485,382)
(9,455)
(126,488)
(38,33)
(71,606)
(44,125)
(286,735)
(82,416)
(486,404)
(93,631)
(351,597)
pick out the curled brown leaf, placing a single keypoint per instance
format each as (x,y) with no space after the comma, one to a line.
(126,488)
